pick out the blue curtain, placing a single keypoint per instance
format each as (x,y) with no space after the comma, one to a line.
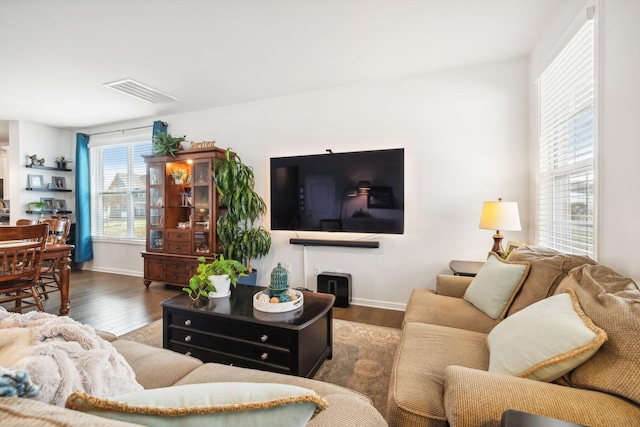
(159,127)
(84,246)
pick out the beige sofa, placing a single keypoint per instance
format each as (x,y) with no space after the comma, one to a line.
(156,367)
(440,375)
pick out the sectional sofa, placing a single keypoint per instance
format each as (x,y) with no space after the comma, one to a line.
(178,379)
(561,339)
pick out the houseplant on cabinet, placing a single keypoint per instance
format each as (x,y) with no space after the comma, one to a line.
(238,236)
(214,277)
(164,144)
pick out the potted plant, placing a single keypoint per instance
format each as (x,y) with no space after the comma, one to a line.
(215,277)
(178,175)
(34,206)
(236,232)
(62,162)
(164,144)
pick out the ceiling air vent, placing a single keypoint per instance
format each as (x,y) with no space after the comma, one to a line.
(140,91)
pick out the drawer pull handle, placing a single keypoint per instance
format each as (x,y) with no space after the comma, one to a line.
(264,356)
(187,338)
(188,353)
(187,322)
(264,338)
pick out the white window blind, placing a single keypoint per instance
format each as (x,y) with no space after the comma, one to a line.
(118,190)
(566,147)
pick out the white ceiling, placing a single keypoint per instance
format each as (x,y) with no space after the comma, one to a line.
(56,55)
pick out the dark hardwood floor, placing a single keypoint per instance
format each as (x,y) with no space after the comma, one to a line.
(120,304)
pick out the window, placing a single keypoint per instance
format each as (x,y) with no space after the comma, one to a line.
(118,190)
(566,147)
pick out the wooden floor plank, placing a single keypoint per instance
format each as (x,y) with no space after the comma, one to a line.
(120,304)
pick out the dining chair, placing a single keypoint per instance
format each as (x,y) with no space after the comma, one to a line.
(50,270)
(21,253)
(23,221)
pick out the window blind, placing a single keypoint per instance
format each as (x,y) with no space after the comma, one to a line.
(118,190)
(566,147)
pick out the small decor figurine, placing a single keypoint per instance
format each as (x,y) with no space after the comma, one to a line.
(278,297)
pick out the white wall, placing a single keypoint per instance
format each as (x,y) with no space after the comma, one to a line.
(25,139)
(618,104)
(465,137)
(619,150)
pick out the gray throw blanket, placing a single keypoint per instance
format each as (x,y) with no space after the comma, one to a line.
(61,355)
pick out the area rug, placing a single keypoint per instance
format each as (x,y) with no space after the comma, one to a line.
(362,356)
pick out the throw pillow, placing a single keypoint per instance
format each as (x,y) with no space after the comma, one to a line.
(495,286)
(545,340)
(215,404)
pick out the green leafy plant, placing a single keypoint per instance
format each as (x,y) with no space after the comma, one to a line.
(178,173)
(200,285)
(164,144)
(236,232)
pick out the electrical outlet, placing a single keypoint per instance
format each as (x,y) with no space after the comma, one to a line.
(338,270)
(316,270)
(288,267)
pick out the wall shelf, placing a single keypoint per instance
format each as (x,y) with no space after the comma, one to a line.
(49,168)
(48,212)
(65,190)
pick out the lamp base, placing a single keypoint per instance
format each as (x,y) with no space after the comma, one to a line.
(497,243)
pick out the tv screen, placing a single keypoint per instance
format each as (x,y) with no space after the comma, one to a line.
(356,192)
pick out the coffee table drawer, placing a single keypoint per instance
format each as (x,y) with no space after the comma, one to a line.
(255,333)
(221,345)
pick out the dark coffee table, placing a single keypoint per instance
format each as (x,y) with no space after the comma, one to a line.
(230,331)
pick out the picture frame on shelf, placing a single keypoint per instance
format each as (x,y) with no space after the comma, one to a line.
(35,181)
(49,203)
(61,205)
(58,182)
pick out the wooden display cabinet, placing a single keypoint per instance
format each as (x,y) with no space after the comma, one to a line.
(181,216)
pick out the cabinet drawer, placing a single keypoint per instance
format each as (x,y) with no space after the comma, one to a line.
(180,248)
(223,345)
(176,277)
(257,334)
(178,235)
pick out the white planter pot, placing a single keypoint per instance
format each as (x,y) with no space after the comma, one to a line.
(222,284)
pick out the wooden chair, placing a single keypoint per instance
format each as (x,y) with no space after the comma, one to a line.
(49,272)
(26,222)
(21,254)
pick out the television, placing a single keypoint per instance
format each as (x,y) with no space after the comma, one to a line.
(355,192)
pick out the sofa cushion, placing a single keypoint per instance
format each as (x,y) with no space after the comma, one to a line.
(548,268)
(425,306)
(496,285)
(416,388)
(347,408)
(225,404)
(613,302)
(16,412)
(150,363)
(545,340)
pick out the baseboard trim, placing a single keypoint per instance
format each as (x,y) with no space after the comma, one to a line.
(379,304)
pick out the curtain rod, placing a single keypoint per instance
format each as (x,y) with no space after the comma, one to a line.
(120,130)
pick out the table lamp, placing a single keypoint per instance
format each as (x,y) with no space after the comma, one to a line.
(500,216)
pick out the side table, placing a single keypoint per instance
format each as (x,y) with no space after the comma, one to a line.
(465,268)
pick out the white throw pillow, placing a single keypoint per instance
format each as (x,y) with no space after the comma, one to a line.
(210,404)
(495,286)
(545,340)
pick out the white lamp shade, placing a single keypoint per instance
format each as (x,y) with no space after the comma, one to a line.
(500,216)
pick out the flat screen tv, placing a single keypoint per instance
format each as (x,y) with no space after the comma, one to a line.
(355,192)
